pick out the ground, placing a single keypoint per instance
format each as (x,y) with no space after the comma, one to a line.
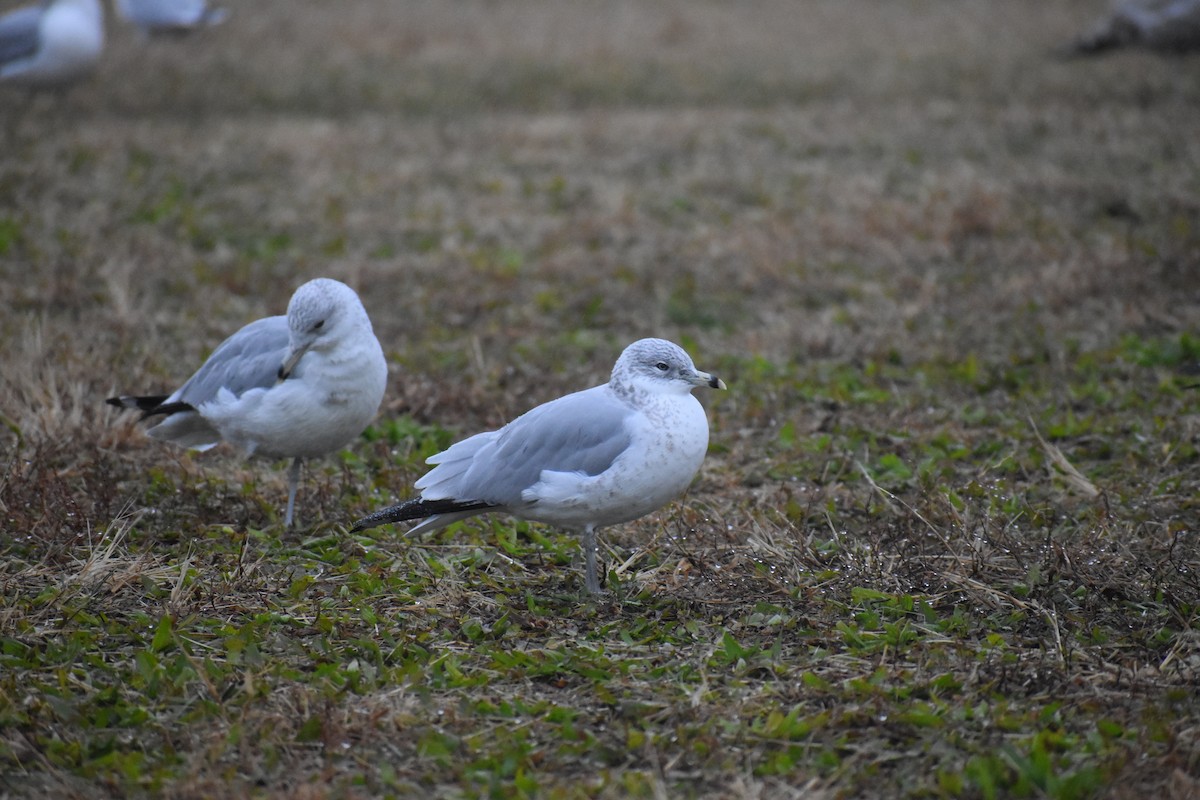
(945,540)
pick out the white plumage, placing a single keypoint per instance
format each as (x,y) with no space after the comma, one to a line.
(170,16)
(297,387)
(594,458)
(51,44)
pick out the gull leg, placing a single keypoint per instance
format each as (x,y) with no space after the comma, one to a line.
(293,485)
(589,559)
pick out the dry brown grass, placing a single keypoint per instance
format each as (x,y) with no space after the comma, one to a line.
(944,544)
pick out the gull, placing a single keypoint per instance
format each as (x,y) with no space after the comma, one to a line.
(297,386)
(51,44)
(170,16)
(591,459)
(1169,26)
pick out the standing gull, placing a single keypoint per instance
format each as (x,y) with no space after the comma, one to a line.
(594,458)
(51,44)
(170,16)
(1166,26)
(297,387)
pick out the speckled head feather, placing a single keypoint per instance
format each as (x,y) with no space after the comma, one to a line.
(322,307)
(658,365)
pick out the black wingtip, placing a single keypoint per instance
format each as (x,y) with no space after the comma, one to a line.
(418,508)
(147,403)
(150,405)
(167,409)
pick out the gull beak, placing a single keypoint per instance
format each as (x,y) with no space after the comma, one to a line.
(289,363)
(711,380)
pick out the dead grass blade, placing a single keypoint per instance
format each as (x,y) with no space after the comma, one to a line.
(1063,468)
(109,564)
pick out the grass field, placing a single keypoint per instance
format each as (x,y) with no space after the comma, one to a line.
(945,540)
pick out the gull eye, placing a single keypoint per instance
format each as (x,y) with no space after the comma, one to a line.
(319,325)
(661,366)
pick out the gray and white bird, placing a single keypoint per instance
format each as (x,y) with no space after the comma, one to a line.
(170,16)
(1167,26)
(297,386)
(591,459)
(51,44)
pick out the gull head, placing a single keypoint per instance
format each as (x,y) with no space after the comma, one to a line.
(321,314)
(657,365)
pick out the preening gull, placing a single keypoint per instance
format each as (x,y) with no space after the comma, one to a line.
(170,16)
(594,458)
(297,387)
(51,44)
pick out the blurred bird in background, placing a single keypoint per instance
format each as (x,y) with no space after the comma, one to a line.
(1169,26)
(170,16)
(51,44)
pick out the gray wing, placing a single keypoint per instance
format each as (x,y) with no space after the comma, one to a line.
(583,432)
(250,359)
(19,37)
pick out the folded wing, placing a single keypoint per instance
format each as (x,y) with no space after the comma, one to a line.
(580,433)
